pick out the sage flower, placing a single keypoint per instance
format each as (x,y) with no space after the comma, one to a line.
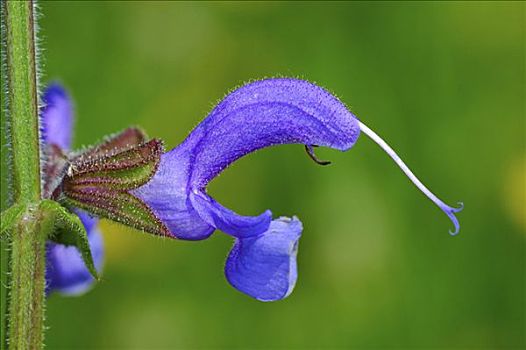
(164,193)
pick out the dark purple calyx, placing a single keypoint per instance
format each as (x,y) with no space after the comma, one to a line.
(126,139)
(99,179)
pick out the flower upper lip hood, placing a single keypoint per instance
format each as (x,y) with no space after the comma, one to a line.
(261,114)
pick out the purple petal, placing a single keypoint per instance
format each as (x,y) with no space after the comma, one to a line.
(261,114)
(57,116)
(166,194)
(264,266)
(65,269)
(265,113)
(226,220)
(89,221)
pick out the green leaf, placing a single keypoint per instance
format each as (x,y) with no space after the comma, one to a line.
(10,217)
(69,230)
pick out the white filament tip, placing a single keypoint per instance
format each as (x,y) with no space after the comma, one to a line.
(449,211)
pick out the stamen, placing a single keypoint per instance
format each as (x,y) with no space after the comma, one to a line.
(450,211)
(310,152)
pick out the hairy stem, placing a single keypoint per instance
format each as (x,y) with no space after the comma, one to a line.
(28,257)
(25,321)
(22,100)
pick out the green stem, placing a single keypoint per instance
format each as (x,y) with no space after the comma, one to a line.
(23,100)
(27,287)
(25,321)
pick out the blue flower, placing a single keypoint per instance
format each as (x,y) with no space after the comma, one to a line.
(269,112)
(173,200)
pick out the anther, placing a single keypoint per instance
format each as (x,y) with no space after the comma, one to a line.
(310,151)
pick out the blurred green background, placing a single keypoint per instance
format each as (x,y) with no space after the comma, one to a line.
(443,83)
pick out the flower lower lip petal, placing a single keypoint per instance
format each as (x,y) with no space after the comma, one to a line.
(264,266)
